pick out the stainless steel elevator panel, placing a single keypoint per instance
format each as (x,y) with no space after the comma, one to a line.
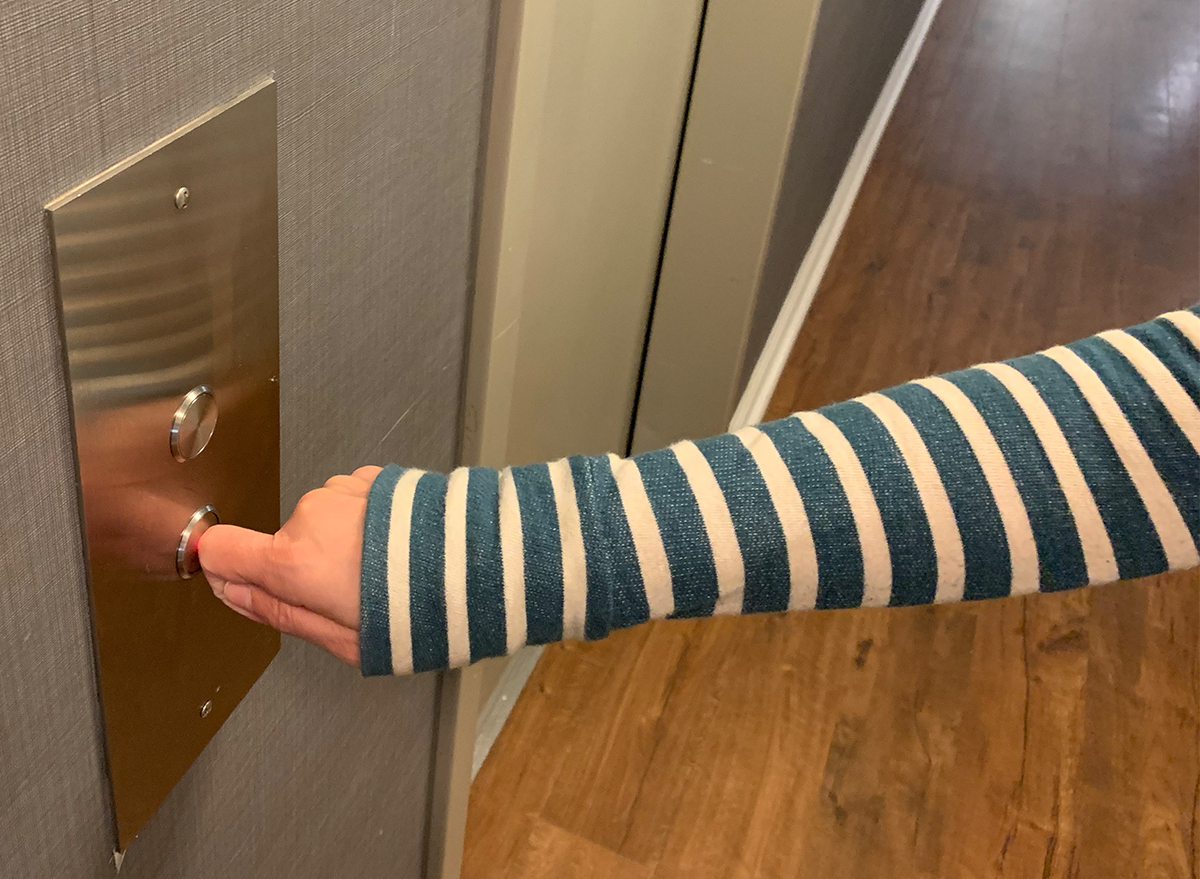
(167,269)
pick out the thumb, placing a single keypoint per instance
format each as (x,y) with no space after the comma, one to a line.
(229,554)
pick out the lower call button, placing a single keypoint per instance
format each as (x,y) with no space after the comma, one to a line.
(187,556)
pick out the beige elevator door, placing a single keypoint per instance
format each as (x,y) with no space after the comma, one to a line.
(573,222)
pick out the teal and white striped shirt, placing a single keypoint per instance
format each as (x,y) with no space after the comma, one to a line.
(1079,465)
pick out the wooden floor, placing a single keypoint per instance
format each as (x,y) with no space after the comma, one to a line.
(1039,182)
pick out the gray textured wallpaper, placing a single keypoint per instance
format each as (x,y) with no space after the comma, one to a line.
(318,773)
(854,48)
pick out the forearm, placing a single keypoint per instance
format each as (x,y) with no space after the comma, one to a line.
(1076,466)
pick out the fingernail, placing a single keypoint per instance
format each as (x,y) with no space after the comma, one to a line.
(237,599)
(237,595)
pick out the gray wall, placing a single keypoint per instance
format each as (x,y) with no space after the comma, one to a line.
(318,773)
(854,47)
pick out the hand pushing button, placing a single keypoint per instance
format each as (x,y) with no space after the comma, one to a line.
(187,556)
(192,426)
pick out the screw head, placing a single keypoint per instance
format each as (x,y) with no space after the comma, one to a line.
(181,197)
(206,708)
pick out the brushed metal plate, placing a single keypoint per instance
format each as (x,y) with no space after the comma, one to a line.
(167,268)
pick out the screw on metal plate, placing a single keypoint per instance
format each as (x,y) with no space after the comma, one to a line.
(181,197)
(206,708)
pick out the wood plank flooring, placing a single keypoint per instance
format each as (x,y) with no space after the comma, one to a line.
(1039,181)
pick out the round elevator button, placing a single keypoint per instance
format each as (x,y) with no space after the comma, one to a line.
(192,426)
(187,555)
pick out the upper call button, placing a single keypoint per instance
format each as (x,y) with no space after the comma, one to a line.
(192,426)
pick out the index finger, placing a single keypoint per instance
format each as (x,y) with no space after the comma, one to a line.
(230,554)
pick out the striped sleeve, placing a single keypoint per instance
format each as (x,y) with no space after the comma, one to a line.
(1076,466)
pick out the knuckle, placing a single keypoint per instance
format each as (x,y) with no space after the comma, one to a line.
(283,617)
(282,551)
(310,500)
(346,486)
(288,559)
(271,610)
(368,473)
(342,483)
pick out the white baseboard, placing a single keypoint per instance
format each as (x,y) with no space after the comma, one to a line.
(760,388)
(500,703)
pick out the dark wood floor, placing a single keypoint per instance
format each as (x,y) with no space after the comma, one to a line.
(1038,182)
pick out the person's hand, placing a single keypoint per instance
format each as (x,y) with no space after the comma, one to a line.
(304,580)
